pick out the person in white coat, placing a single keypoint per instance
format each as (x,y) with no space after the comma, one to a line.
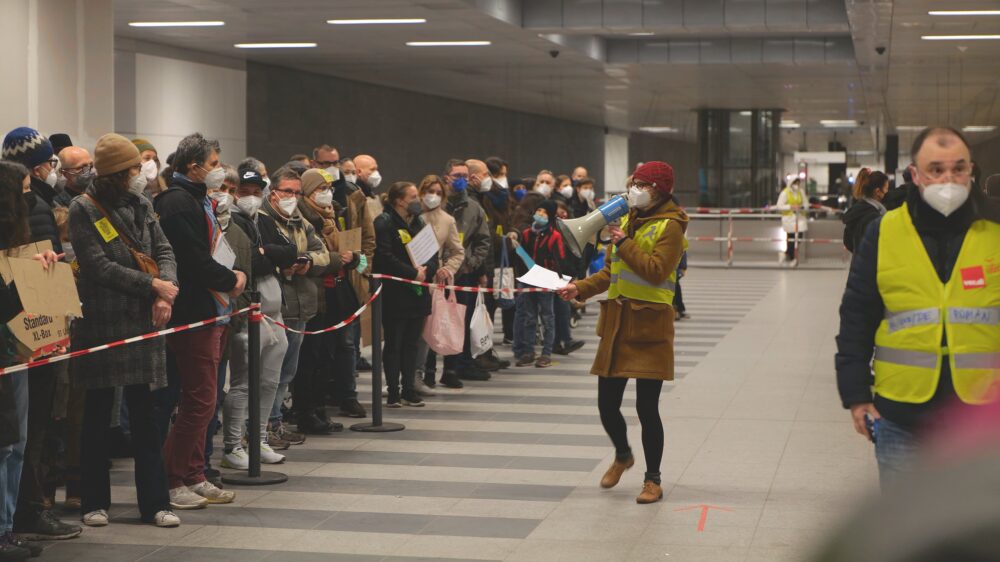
(792,204)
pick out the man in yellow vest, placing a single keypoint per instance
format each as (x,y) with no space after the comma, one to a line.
(922,307)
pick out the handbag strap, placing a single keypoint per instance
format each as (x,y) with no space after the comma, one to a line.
(124,235)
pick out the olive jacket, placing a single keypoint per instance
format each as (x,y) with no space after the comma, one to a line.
(637,337)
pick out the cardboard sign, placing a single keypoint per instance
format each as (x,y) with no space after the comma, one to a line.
(349,240)
(49,298)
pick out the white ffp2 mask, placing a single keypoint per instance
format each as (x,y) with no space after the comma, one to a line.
(945,198)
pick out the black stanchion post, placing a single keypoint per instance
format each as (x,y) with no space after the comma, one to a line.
(376,425)
(254,476)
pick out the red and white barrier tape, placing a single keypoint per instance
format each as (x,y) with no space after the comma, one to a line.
(337,326)
(751,211)
(126,341)
(458,288)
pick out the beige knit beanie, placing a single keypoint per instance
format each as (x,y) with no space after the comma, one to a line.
(115,153)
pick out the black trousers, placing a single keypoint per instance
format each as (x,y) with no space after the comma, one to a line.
(464,360)
(399,353)
(679,299)
(150,475)
(41,393)
(790,244)
(610,392)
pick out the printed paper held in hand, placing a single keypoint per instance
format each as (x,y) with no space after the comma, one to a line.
(224,254)
(543,278)
(423,247)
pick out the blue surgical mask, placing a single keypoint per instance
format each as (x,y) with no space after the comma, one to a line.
(519,194)
(541,220)
(459,185)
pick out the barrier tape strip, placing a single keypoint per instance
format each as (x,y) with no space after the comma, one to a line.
(752,239)
(751,211)
(337,326)
(457,288)
(126,341)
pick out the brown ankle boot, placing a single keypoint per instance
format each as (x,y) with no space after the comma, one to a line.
(615,471)
(651,493)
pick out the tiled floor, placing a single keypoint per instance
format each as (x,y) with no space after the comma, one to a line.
(508,469)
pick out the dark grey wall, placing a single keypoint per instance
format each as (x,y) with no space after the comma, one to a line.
(410,134)
(987,157)
(681,155)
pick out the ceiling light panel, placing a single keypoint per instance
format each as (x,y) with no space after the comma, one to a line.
(176,23)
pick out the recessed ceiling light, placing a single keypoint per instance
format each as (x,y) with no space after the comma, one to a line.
(448,43)
(978,128)
(789,125)
(386,21)
(964,13)
(839,123)
(910,128)
(274,45)
(746,113)
(176,23)
(658,129)
(959,37)
(642,34)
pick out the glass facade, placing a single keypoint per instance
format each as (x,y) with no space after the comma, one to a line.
(738,156)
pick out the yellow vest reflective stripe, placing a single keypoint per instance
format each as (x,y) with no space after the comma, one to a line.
(794,198)
(627,283)
(920,311)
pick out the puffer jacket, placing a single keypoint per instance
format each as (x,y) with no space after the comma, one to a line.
(40,218)
(300,292)
(473,229)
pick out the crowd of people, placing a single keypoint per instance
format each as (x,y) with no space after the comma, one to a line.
(166,241)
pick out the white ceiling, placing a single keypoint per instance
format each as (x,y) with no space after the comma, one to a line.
(914,83)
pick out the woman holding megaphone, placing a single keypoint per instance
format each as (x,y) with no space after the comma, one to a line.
(636,323)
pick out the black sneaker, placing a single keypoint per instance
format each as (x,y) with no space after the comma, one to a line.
(572,345)
(352,409)
(311,424)
(450,380)
(413,400)
(11,552)
(429,381)
(486,363)
(363,365)
(472,373)
(393,402)
(559,350)
(46,527)
(34,549)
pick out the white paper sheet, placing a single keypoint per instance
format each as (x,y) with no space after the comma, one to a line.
(423,247)
(543,278)
(224,254)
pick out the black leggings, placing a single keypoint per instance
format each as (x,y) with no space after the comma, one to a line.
(609,401)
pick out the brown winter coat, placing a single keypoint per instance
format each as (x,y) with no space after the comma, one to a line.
(637,337)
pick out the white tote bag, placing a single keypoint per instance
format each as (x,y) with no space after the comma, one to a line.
(481,330)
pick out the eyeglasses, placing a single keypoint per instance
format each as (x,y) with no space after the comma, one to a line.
(287,193)
(78,170)
(638,184)
(938,171)
(458,176)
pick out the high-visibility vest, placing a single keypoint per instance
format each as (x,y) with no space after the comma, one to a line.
(794,198)
(919,309)
(627,283)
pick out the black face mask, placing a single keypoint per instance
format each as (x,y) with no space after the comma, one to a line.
(414,208)
(30,199)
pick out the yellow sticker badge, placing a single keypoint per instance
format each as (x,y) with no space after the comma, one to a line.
(500,230)
(343,223)
(404,236)
(108,232)
(461,238)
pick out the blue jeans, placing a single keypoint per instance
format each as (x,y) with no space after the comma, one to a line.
(12,456)
(288,366)
(563,313)
(896,449)
(529,307)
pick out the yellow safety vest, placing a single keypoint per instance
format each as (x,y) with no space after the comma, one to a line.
(919,309)
(627,283)
(794,198)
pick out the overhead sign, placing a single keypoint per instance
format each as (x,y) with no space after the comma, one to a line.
(821,157)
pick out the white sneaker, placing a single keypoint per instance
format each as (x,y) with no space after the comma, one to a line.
(781,258)
(211,494)
(183,498)
(166,519)
(237,459)
(98,518)
(421,388)
(268,456)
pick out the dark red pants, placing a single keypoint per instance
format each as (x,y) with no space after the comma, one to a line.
(197,355)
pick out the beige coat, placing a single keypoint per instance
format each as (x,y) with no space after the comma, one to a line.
(452,253)
(637,337)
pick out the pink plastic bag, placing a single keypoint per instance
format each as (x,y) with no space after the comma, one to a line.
(444,331)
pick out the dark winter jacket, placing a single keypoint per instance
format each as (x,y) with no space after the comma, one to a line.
(862,309)
(400,300)
(40,218)
(473,228)
(856,219)
(498,206)
(896,197)
(10,424)
(278,252)
(520,217)
(185,223)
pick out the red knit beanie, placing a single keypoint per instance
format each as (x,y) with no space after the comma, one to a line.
(660,174)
